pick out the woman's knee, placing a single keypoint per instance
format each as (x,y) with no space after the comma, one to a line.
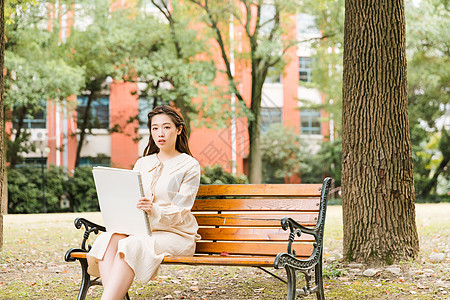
(116,237)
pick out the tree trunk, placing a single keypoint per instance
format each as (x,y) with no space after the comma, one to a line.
(377,169)
(254,133)
(431,184)
(84,125)
(2,120)
(17,139)
(184,109)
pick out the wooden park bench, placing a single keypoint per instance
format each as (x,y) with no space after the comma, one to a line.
(240,226)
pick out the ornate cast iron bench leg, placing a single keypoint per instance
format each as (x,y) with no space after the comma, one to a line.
(292,282)
(319,280)
(85,281)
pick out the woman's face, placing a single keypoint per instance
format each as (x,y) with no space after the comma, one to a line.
(164,132)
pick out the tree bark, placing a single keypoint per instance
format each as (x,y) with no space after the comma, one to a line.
(2,120)
(18,137)
(84,125)
(377,169)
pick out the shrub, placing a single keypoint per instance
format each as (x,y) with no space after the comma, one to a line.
(216,175)
(25,189)
(81,190)
(283,154)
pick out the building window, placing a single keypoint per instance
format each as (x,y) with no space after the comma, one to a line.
(94,161)
(304,68)
(38,120)
(310,123)
(99,112)
(306,24)
(269,116)
(273,76)
(267,18)
(33,162)
(145,106)
(149,7)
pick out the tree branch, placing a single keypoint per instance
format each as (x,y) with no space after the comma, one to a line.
(214,26)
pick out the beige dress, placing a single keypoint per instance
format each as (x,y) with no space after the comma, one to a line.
(173,186)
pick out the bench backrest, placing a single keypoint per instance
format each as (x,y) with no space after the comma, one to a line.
(246,219)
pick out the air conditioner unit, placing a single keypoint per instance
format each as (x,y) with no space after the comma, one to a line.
(37,136)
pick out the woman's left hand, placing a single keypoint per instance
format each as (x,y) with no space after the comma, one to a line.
(145,204)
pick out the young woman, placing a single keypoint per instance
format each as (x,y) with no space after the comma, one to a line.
(171,177)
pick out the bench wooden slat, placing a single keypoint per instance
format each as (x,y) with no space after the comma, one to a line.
(263,261)
(249,261)
(78,254)
(254,220)
(303,250)
(302,204)
(305,190)
(249,234)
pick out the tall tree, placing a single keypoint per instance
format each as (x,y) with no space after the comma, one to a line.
(428,74)
(377,172)
(267,40)
(2,131)
(35,73)
(174,71)
(328,16)
(428,94)
(138,47)
(88,48)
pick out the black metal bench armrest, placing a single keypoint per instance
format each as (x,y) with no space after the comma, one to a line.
(89,228)
(317,231)
(295,229)
(294,226)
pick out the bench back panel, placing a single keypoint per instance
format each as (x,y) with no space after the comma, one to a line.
(264,190)
(246,219)
(254,220)
(258,204)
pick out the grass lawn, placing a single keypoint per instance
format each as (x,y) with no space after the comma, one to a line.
(32,266)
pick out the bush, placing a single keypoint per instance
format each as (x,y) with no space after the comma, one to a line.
(216,175)
(81,190)
(25,189)
(283,154)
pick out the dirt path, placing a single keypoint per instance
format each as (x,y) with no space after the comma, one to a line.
(32,266)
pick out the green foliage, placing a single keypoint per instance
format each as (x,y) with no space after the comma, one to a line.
(35,72)
(283,154)
(428,95)
(81,190)
(333,270)
(216,175)
(328,162)
(427,24)
(327,57)
(25,189)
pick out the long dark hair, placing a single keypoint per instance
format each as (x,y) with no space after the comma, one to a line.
(182,144)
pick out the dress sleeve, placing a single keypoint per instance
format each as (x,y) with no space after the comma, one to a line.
(137,165)
(182,202)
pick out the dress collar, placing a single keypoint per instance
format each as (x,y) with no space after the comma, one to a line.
(170,163)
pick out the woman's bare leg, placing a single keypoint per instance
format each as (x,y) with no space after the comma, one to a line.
(119,280)
(106,264)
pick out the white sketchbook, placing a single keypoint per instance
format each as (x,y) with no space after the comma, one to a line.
(118,192)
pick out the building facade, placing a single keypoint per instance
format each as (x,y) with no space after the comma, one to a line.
(56,130)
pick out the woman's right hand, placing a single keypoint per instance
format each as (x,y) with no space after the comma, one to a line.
(145,204)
